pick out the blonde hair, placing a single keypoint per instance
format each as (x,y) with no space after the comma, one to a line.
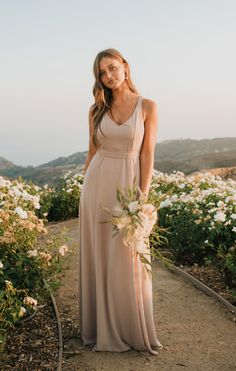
(103,95)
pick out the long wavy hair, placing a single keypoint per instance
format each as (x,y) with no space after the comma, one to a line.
(102,95)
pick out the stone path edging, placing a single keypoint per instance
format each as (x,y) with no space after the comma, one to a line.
(59,328)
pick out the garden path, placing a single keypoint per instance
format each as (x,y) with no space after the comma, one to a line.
(198,332)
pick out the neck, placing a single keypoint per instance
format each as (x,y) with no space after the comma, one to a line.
(122,93)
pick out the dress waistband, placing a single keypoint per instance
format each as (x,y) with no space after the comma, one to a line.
(129,154)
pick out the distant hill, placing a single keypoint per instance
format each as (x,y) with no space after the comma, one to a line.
(186,155)
(5,164)
(77,158)
(190,155)
(184,149)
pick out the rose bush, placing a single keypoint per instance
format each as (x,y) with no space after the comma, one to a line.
(24,263)
(65,197)
(200,214)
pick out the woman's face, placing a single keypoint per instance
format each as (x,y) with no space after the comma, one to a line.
(112,72)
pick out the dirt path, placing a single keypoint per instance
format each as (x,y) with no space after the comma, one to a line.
(197,331)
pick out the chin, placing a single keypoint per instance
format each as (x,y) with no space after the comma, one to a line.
(116,85)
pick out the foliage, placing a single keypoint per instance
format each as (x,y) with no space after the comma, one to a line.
(24,263)
(65,199)
(200,214)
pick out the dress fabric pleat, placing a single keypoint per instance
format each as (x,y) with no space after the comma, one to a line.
(115,291)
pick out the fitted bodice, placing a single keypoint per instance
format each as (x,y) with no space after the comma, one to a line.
(123,140)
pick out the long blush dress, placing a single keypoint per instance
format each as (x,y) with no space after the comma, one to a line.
(115,291)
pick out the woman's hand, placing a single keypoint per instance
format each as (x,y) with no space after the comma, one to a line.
(143,195)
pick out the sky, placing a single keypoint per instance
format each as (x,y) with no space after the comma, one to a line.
(181,53)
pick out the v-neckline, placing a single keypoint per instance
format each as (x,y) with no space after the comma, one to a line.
(128,118)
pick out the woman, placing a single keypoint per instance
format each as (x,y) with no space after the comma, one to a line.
(116,308)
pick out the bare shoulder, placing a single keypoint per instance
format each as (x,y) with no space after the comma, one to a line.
(149,107)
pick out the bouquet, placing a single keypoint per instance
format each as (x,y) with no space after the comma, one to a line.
(135,218)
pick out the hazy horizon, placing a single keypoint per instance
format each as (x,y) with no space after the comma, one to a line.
(181,55)
(164,140)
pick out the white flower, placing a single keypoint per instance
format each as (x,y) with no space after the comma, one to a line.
(117,210)
(220,203)
(33,252)
(233,216)
(141,247)
(16,191)
(133,206)
(234,229)
(212,210)
(220,216)
(22,311)
(1,264)
(22,213)
(29,300)
(123,221)
(63,249)
(4,182)
(36,204)
(165,203)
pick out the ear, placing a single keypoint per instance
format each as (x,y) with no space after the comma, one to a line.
(126,67)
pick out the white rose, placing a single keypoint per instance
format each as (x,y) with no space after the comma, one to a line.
(133,206)
(220,217)
(22,213)
(117,210)
(123,221)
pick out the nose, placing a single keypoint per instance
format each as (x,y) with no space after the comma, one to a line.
(108,74)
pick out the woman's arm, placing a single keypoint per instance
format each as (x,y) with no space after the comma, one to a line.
(148,146)
(92,149)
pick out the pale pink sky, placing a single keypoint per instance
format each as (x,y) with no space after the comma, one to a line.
(182,55)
